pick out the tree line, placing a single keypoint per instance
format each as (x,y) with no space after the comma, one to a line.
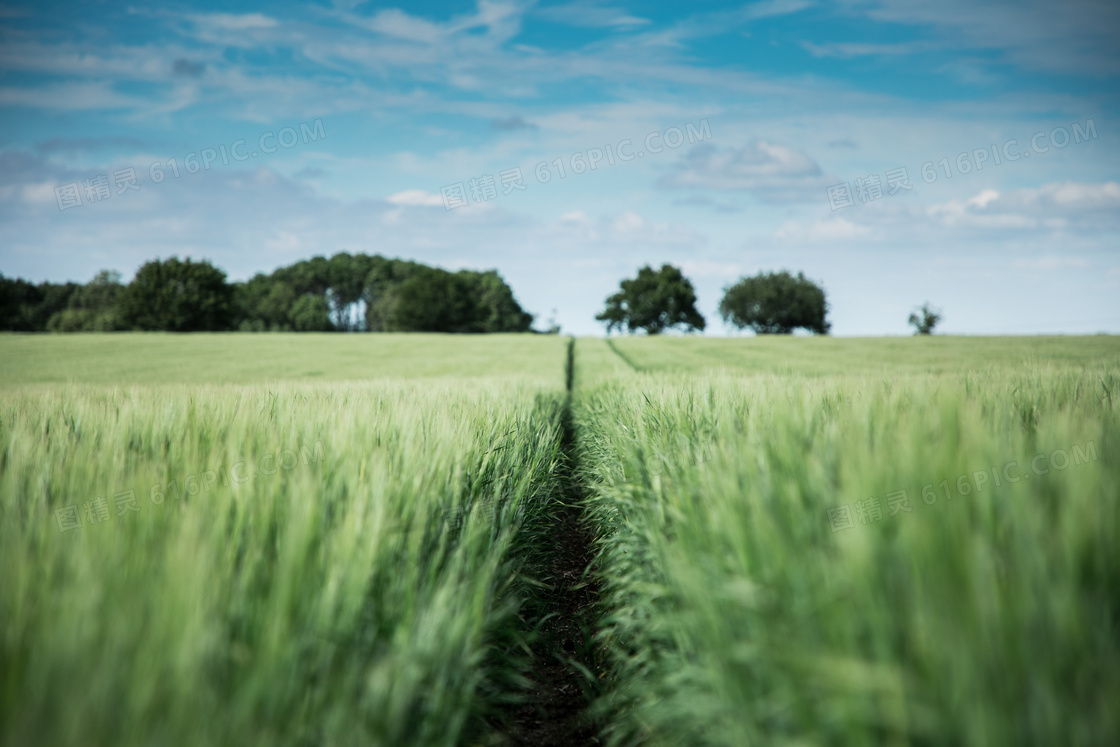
(348,292)
(769,303)
(362,293)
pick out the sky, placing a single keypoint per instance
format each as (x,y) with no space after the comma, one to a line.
(959,152)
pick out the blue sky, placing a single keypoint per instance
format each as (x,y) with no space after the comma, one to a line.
(301,129)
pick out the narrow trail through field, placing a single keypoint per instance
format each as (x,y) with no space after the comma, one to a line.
(621,355)
(564,666)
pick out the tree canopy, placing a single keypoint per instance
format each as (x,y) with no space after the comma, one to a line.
(348,292)
(655,300)
(92,307)
(176,295)
(376,294)
(925,319)
(775,303)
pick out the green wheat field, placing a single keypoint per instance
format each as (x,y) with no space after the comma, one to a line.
(337,539)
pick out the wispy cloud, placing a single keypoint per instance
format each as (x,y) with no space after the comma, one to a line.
(768,171)
(71,96)
(823,230)
(417,98)
(590,14)
(183,66)
(1057,206)
(415,198)
(842,50)
(1077,37)
(627,228)
(234,22)
(87,144)
(511,124)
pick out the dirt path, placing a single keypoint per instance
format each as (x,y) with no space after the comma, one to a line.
(564,667)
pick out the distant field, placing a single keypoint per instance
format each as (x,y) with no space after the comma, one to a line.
(815,356)
(208,358)
(159,358)
(855,542)
(361,539)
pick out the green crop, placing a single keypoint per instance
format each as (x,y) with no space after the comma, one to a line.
(355,539)
(855,559)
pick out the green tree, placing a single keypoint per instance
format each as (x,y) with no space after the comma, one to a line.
(655,300)
(925,322)
(429,299)
(346,274)
(433,300)
(381,284)
(256,311)
(93,307)
(25,307)
(311,314)
(277,307)
(19,304)
(178,296)
(495,308)
(377,294)
(775,303)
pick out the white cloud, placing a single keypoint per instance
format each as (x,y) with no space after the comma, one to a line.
(590,14)
(1073,37)
(1033,218)
(627,230)
(576,216)
(984,198)
(120,61)
(40,194)
(390,71)
(415,198)
(1056,206)
(251,221)
(773,8)
(234,22)
(71,96)
(628,222)
(1073,195)
(398,24)
(821,230)
(770,172)
(498,21)
(703,268)
(842,50)
(284,242)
